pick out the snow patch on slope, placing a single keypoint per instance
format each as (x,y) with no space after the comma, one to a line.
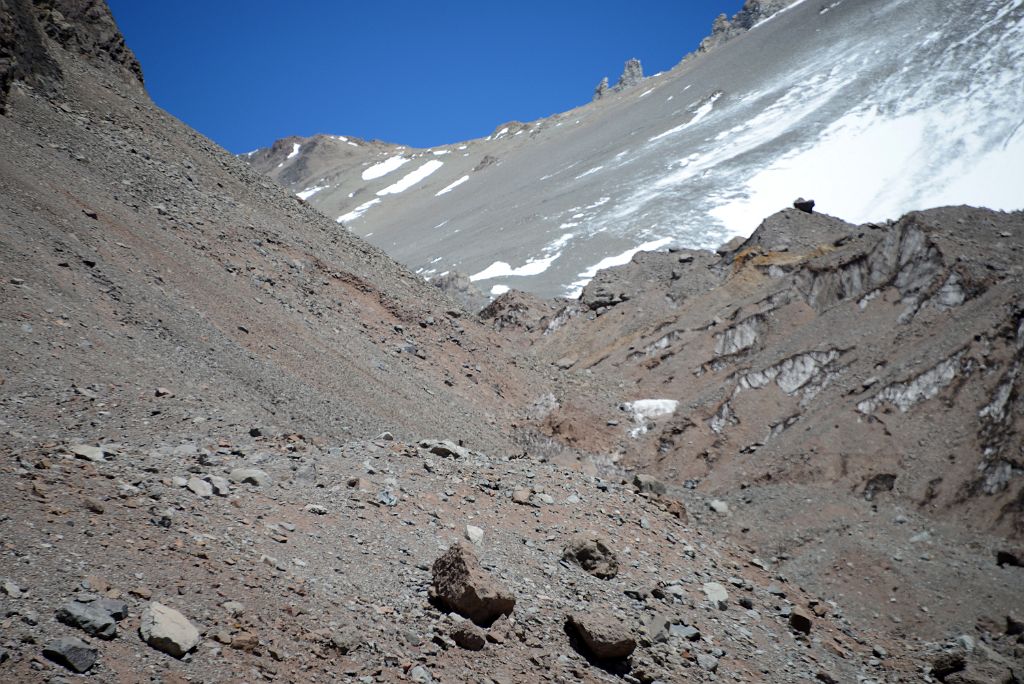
(384,168)
(412,178)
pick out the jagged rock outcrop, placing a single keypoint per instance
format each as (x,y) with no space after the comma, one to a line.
(601,89)
(632,73)
(82,27)
(724,29)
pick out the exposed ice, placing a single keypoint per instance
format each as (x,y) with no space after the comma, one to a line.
(643,411)
(452,186)
(384,168)
(412,178)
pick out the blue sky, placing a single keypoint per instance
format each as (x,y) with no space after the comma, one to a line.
(420,73)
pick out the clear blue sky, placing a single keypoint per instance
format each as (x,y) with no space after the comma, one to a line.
(416,72)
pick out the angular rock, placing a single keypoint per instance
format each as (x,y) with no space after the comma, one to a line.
(719,506)
(11,589)
(804,205)
(649,483)
(949,662)
(800,620)
(461,585)
(199,487)
(167,630)
(474,534)
(716,594)
(593,554)
(221,485)
(605,638)
(632,73)
(88,453)
(72,653)
(707,662)
(253,476)
(468,636)
(88,617)
(444,448)
(115,608)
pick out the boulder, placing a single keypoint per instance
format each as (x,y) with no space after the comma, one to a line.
(949,662)
(167,630)
(800,620)
(593,554)
(649,483)
(468,636)
(804,205)
(72,653)
(461,585)
(605,638)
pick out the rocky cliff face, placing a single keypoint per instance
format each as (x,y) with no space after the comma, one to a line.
(725,29)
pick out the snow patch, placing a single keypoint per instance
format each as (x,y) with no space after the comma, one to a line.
(357,212)
(412,178)
(384,168)
(499,290)
(452,186)
(309,192)
(295,150)
(643,411)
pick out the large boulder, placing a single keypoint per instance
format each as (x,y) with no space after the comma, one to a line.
(461,585)
(592,553)
(167,630)
(91,618)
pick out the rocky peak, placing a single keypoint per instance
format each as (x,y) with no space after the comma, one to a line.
(724,29)
(31,29)
(632,73)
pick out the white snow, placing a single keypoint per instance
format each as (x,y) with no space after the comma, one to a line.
(295,150)
(499,290)
(412,178)
(357,212)
(452,186)
(352,144)
(438,153)
(702,111)
(501,269)
(647,92)
(309,192)
(589,171)
(384,168)
(643,411)
(500,133)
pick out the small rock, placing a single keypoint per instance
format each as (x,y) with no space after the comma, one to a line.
(167,630)
(72,653)
(717,594)
(199,487)
(315,509)
(88,617)
(468,636)
(474,534)
(460,584)
(649,483)
(949,662)
(94,505)
(593,554)
(163,392)
(804,205)
(605,638)
(707,662)
(521,497)
(719,506)
(800,620)
(444,448)
(88,453)
(253,476)
(688,632)
(11,589)
(420,675)
(221,485)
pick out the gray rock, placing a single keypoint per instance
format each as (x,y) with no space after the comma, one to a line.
(593,554)
(474,534)
(115,608)
(649,483)
(199,487)
(420,675)
(719,506)
(253,476)
(88,617)
(461,585)
(632,73)
(11,589)
(444,448)
(602,89)
(88,453)
(687,632)
(221,485)
(605,638)
(72,653)
(716,594)
(800,620)
(167,630)
(707,662)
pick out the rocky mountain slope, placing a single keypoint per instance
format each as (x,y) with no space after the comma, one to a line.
(238,443)
(872,107)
